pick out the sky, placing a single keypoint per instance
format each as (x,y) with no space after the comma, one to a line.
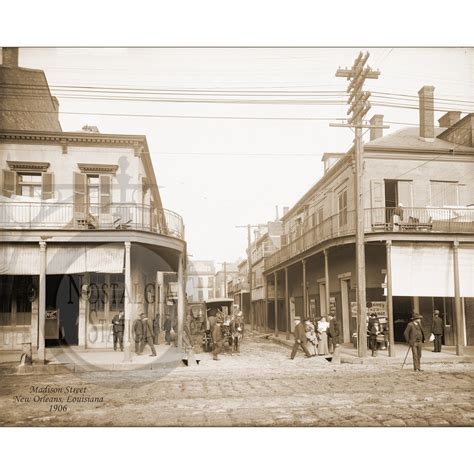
(235,168)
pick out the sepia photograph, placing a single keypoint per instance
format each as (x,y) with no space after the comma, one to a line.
(214,229)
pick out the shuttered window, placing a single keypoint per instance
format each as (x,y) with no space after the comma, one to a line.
(105,194)
(444,193)
(79,195)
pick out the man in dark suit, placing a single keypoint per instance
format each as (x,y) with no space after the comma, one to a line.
(137,330)
(300,339)
(147,337)
(415,337)
(437,328)
(118,325)
(333,333)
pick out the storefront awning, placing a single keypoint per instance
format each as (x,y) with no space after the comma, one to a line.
(428,270)
(61,259)
(107,258)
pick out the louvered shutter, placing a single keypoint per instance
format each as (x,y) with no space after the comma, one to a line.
(79,195)
(8,183)
(105,194)
(47,186)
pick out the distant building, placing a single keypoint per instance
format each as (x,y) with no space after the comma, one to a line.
(238,289)
(200,280)
(223,277)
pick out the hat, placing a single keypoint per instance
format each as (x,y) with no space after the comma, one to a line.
(416,316)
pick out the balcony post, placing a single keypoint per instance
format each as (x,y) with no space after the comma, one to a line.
(457,302)
(42,304)
(305,302)
(391,338)
(287,306)
(265,312)
(276,304)
(181,303)
(128,336)
(326,281)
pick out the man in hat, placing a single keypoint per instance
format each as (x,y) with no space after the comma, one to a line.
(437,328)
(147,335)
(118,325)
(415,337)
(218,337)
(300,338)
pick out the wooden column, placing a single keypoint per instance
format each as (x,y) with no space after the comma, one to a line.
(276,304)
(181,303)
(265,312)
(326,281)
(457,302)
(287,306)
(128,306)
(42,304)
(305,296)
(391,338)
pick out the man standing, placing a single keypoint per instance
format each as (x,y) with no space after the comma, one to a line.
(333,333)
(147,338)
(437,328)
(156,329)
(300,339)
(217,337)
(118,326)
(415,337)
(137,334)
(167,326)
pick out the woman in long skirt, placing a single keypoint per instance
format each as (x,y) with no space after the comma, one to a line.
(323,326)
(311,343)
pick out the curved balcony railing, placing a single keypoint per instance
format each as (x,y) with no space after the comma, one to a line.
(383,219)
(41,215)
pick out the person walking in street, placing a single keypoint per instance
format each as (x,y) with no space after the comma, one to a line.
(118,327)
(217,337)
(156,329)
(300,339)
(333,334)
(373,333)
(137,330)
(167,327)
(415,337)
(323,326)
(147,336)
(437,329)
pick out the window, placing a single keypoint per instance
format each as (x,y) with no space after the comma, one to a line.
(444,193)
(342,207)
(210,282)
(200,282)
(29,185)
(200,295)
(93,193)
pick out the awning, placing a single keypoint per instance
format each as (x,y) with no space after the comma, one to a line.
(107,258)
(19,259)
(428,270)
(24,259)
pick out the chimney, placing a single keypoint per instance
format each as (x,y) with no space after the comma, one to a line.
(376,120)
(426,113)
(449,119)
(10,57)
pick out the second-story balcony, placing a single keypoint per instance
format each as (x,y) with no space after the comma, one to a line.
(378,220)
(68,216)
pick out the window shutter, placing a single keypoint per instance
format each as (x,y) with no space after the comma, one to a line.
(377,200)
(47,186)
(8,183)
(105,194)
(79,195)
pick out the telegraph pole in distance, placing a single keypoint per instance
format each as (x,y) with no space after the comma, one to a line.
(249,265)
(359,106)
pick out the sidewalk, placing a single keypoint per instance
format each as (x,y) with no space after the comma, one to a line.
(62,360)
(348,353)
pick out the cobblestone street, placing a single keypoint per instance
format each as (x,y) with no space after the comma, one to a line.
(259,387)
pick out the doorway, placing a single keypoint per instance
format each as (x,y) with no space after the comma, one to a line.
(402,311)
(62,296)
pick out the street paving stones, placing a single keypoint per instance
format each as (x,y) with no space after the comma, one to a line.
(259,387)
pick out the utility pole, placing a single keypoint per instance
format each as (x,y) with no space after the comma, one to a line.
(249,265)
(359,106)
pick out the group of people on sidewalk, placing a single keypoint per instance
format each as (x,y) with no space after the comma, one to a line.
(315,337)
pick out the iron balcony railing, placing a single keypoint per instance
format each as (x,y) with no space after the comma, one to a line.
(384,219)
(41,215)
